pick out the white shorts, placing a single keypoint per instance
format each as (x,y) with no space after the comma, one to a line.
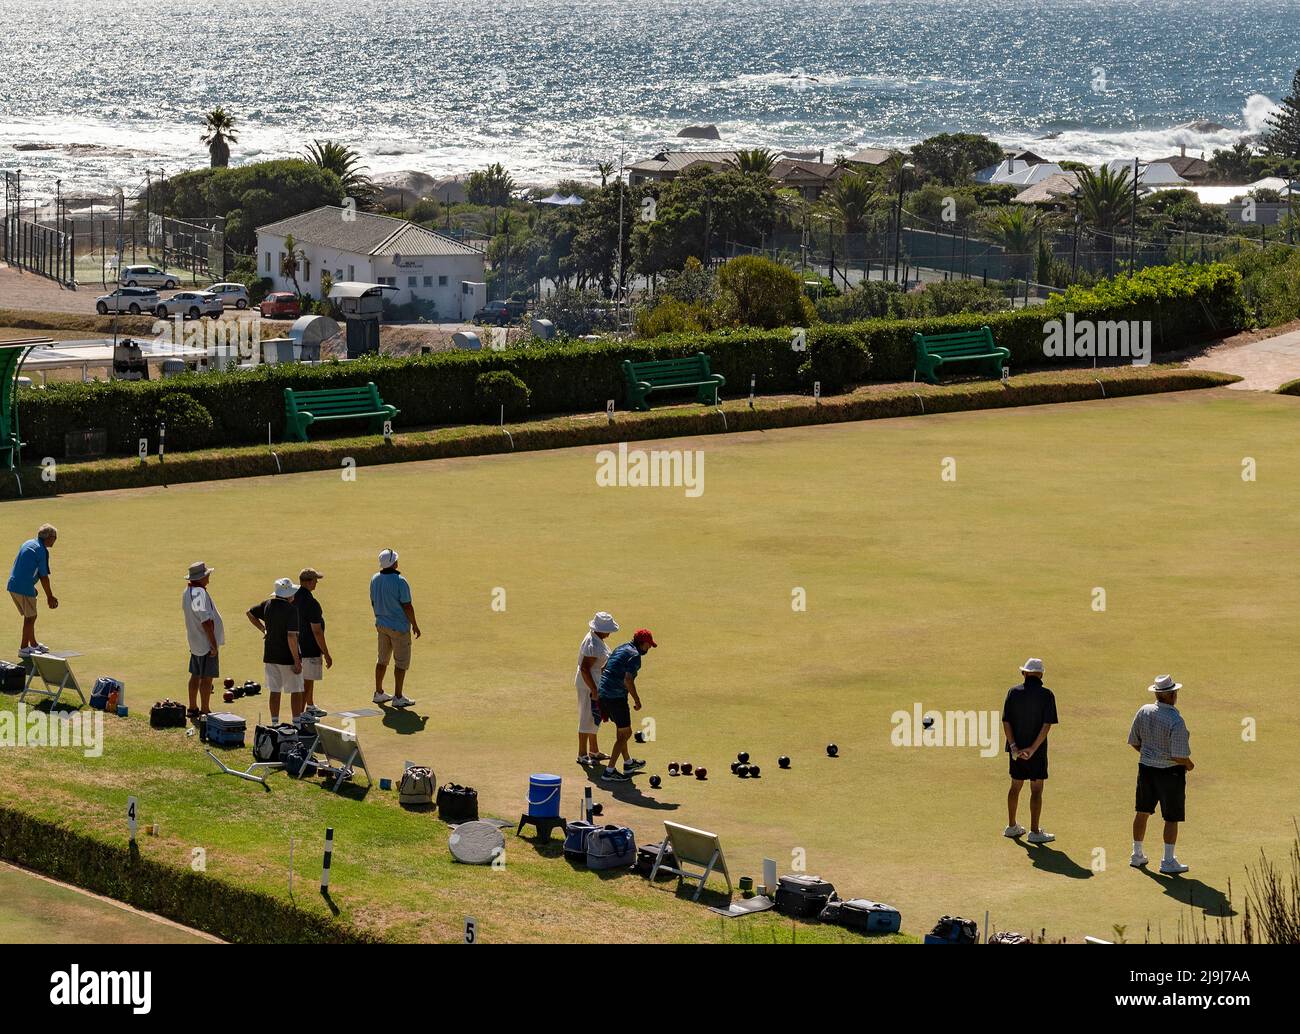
(586,723)
(280,678)
(313,668)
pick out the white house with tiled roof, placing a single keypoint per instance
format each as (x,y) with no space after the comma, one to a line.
(350,245)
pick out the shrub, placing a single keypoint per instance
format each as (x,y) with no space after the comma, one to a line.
(868,301)
(757,292)
(948,299)
(189,424)
(670,316)
(501,388)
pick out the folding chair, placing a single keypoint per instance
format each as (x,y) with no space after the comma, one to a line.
(55,674)
(342,747)
(691,847)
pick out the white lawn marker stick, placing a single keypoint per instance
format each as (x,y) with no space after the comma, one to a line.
(325,867)
(986,926)
(471,930)
(753,380)
(769,876)
(291,867)
(130,817)
(144,450)
(817,392)
(162,442)
(609,410)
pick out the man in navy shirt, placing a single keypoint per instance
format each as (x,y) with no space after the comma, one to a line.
(1027,717)
(32,564)
(617,683)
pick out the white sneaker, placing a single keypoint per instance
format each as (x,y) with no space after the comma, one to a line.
(40,648)
(317,712)
(584,759)
(27,651)
(382,698)
(1138,860)
(403,702)
(1014,831)
(1172,867)
(1041,837)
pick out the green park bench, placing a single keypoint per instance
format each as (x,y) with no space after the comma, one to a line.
(304,408)
(12,354)
(975,346)
(671,375)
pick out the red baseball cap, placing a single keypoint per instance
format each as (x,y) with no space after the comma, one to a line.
(644,635)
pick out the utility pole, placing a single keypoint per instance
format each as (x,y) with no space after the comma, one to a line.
(1133,224)
(618,288)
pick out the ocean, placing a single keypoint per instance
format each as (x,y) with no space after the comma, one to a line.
(96,92)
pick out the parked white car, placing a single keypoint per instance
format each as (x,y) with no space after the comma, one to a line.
(147,276)
(235,295)
(191,305)
(134,300)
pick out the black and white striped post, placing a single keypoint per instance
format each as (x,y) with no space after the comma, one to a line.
(325,867)
(586,804)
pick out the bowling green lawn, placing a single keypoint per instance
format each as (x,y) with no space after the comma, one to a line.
(920,591)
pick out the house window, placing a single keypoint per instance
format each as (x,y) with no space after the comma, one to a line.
(306,269)
(442,281)
(268,261)
(389,281)
(352,275)
(410,281)
(281,269)
(428,281)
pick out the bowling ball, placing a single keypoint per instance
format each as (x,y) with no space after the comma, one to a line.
(783,761)
(832,750)
(655,781)
(742,757)
(228,684)
(701,774)
(753,771)
(743,771)
(673,768)
(734,765)
(228,697)
(598,809)
(686,768)
(639,736)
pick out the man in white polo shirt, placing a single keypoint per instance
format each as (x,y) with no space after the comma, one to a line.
(1160,737)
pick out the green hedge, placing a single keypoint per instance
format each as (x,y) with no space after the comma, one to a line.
(193,898)
(1183,302)
(562,432)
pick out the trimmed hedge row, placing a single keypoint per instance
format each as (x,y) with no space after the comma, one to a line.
(1183,303)
(563,432)
(195,899)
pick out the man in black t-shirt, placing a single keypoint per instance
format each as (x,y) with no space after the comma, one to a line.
(1028,715)
(313,649)
(277,620)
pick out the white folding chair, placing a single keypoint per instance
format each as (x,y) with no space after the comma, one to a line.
(692,847)
(342,747)
(56,676)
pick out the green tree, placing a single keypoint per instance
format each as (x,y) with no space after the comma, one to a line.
(291,261)
(1016,230)
(345,163)
(756,162)
(219,133)
(853,199)
(1232,165)
(606,170)
(1282,137)
(490,186)
(757,292)
(1105,202)
(953,158)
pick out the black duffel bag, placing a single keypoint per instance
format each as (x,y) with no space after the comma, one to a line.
(803,897)
(457,803)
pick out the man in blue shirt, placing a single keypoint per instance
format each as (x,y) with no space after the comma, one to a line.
(390,598)
(32,564)
(617,682)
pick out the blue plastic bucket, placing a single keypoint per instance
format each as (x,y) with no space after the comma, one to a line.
(544,796)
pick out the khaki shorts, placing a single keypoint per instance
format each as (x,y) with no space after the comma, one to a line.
(26,604)
(394,645)
(313,668)
(281,678)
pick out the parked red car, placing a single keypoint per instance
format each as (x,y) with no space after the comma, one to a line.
(280,305)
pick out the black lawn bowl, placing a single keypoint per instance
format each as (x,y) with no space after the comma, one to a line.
(743,756)
(687,767)
(734,765)
(228,684)
(783,761)
(655,782)
(754,771)
(673,768)
(832,751)
(598,809)
(639,736)
(742,771)
(701,774)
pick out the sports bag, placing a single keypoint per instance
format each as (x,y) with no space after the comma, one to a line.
(13,677)
(645,860)
(457,803)
(803,897)
(416,786)
(953,930)
(296,757)
(611,847)
(575,840)
(1009,937)
(167,714)
(269,741)
(102,690)
(861,914)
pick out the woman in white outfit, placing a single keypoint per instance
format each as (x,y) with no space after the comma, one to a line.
(591,661)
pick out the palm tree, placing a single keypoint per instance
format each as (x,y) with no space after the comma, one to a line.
(853,199)
(1105,201)
(219,133)
(759,161)
(345,163)
(290,261)
(1015,229)
(606,170)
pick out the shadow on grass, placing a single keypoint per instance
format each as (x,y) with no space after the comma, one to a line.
(1054,861)
(330,902)
(628,793)
(403,721)
(1193,893)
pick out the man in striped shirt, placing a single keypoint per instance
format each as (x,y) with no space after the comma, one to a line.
(1159,735)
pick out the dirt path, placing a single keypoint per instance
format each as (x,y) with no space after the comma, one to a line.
(1264,359)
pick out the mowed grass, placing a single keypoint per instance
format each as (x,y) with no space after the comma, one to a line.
(919,591)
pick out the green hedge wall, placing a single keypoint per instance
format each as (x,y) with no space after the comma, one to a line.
(1183,302)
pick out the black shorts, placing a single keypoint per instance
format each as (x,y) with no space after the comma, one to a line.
(1033,769)
(615,710)
(1164,786)
(205,666)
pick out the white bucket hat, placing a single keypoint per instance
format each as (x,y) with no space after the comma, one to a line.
(387,559)
(284,588)
(1164,684)
(1033,666)
(603,622)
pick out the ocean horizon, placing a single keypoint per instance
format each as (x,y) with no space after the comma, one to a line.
(550,90)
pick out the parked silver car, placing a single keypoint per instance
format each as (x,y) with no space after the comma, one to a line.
(231,295)
(147,276)
(190,304)
(134,300)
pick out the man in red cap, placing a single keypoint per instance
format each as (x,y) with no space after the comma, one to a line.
(617,683)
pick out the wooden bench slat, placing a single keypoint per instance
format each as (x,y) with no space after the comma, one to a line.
(647,376)
(935,350)
(306,407)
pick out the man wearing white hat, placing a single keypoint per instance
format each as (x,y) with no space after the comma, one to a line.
(390,599)
(1160,737)
(592,655)
(206,635)
(277,619)
(1028,714)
